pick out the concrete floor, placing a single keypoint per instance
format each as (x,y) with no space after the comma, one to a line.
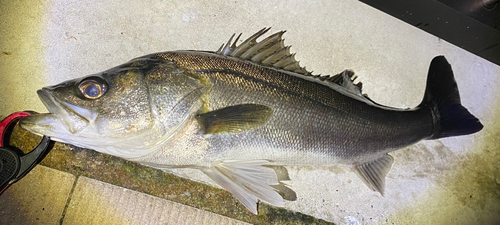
(449,181)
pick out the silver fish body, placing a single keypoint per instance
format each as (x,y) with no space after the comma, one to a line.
(309,119)
(228,113)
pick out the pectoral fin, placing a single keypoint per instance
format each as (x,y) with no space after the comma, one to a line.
(373,173)
(248,181)
(234,118)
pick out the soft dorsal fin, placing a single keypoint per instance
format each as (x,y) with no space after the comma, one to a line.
(345,79)
(269,52)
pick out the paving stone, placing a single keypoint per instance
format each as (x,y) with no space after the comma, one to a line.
(38,198)
(96,202)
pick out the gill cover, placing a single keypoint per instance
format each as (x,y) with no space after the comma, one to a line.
(126,111)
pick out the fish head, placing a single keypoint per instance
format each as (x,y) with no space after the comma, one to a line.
(109,112)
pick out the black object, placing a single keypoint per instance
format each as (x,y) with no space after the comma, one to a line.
(14,165)
(473,25)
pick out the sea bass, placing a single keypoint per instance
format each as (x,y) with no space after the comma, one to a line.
(234,112)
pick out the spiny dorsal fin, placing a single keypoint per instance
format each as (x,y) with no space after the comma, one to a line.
(269,52)
(272,52)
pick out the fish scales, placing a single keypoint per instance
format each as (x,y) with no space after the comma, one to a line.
(333,126)
(231,112)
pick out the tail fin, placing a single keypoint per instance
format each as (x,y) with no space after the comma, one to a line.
(441,94)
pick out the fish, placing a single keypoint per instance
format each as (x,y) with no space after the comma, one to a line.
(236,112)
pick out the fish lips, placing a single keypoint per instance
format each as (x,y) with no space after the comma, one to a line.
(62,115)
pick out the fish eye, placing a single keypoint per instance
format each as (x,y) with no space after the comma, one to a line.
(92,88)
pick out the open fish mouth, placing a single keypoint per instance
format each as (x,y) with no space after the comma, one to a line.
(62,116)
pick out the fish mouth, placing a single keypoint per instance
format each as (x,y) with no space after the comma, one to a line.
(62,117)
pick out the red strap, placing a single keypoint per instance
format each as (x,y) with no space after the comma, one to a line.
(8,121)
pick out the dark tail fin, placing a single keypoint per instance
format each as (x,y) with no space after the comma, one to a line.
(441,94)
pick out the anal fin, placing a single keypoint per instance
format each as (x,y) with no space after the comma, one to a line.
(247,180)
(373,173)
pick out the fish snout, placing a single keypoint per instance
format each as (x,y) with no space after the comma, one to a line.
(73,118)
